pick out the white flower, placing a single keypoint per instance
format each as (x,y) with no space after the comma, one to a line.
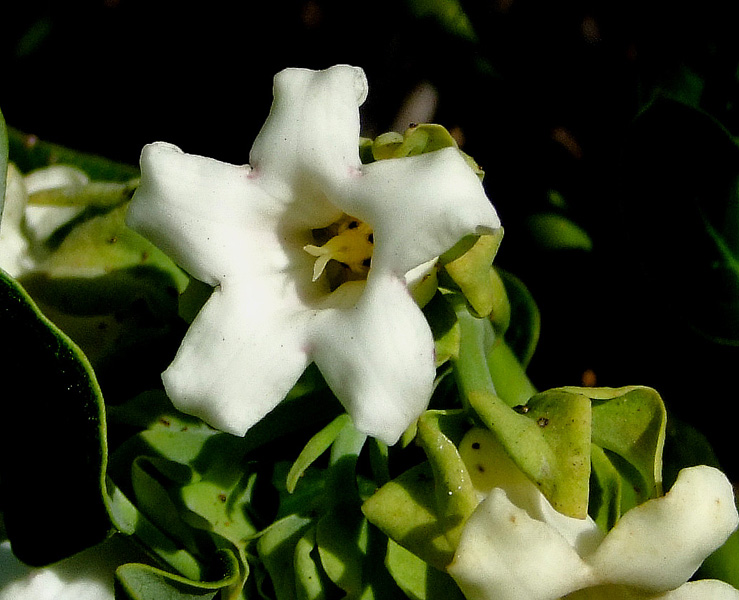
(85,576)
(253,232)
(516,546)
(24,226)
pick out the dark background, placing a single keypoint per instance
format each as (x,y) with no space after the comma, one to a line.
(546,96)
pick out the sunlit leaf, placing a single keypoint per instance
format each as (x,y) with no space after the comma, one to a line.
(316,446)
(417,578)
(143,582)
(473,274)
(456,498)
(405,509)
(276,548)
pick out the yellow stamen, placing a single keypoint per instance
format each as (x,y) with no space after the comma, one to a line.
(351,246)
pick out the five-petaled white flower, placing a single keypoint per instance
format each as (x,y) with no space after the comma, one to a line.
(515,546)
(260,234)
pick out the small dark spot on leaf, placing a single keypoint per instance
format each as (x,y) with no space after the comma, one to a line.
(521,408)
(222,497)
(475,445)
(480,468)
(542,421)
(164,421)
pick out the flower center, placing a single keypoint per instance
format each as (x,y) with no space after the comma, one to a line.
(343,250)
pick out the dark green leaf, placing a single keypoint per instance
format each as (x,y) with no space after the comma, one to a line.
(53,452)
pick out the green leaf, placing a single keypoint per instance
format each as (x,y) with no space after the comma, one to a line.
(276,548)
(104,243)
(127,518)
(405,510)
(341,539)
(52,409)
(552,231)
(310,580)
(630,422)
(136,581)
(549,438)
(473,274)
(316,446)
(456,497)
(444,328)
(522,332)
(449,13)
(605,490)
(417,578)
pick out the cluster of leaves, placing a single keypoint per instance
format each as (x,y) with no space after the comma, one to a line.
(304,506)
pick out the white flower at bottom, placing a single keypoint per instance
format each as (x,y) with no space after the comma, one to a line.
(254,233)
(515,546)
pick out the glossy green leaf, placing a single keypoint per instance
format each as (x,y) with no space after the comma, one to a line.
(456,498)
(605,490)
(310,580)
(473,274)
(507,373)
(315,447)
(405,509)
(418,139)
(417,578)
(151,479)
(104,243)
(630,422)
(52,421)
(223,507)
(276,548)
(549,438)
(128,520)
(341,539)
(136,581)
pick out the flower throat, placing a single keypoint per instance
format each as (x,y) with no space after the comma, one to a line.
(343,250)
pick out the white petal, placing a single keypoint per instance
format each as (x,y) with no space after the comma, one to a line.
(14,246)
(490,467)
(504,554)
(85,576)
(378,358)
(205,214)
(310,140)
(419,207)
(240,357)
(660,544)
(705,589)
